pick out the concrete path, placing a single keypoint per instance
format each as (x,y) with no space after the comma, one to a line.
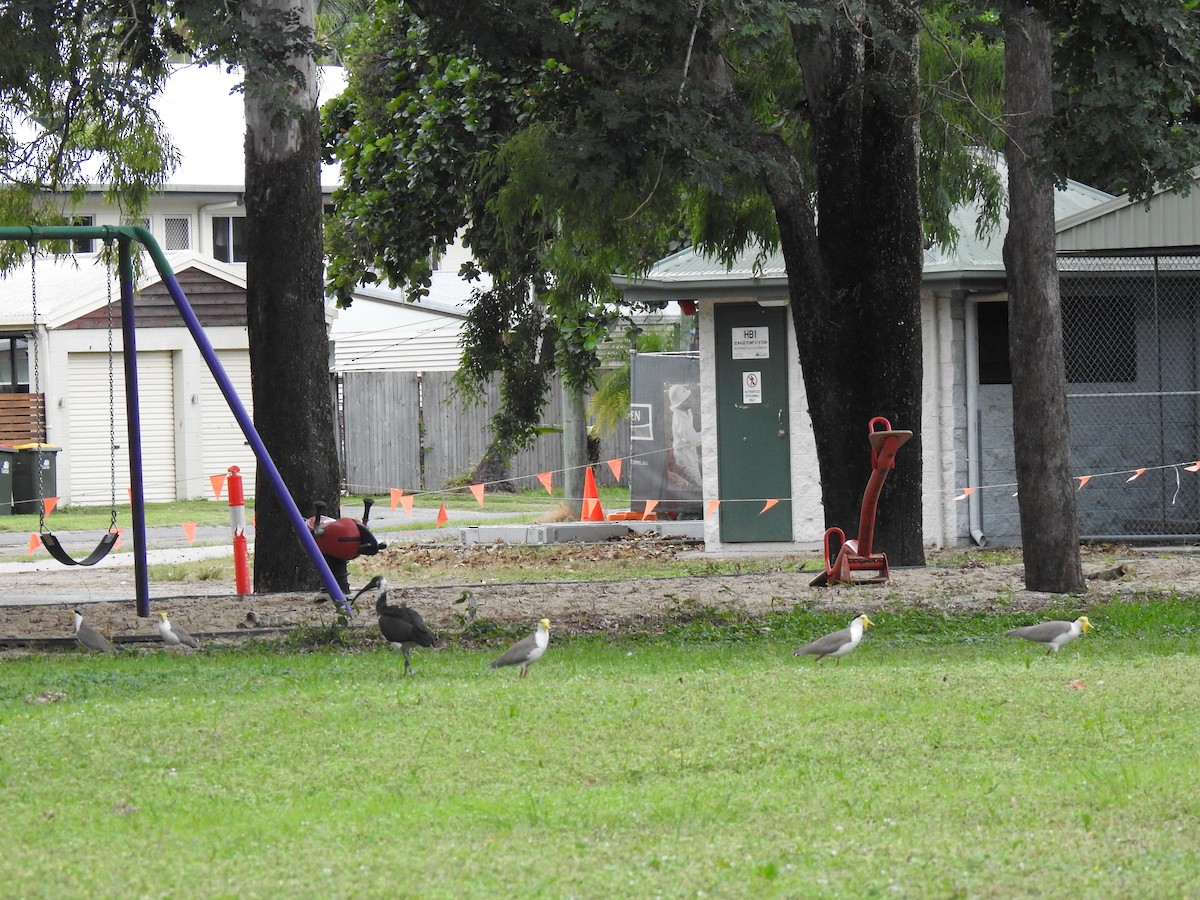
(38,579)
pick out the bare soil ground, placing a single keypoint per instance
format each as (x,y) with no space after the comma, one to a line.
(952,580)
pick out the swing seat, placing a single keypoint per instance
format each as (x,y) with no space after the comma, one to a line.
(55,549)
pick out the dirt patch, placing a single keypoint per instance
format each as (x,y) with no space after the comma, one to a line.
(952,580)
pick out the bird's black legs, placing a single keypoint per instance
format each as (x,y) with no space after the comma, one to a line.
(408,669)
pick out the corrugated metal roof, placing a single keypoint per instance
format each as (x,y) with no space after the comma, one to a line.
(973,257)
(1167,219)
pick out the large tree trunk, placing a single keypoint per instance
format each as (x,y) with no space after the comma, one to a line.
(285,300)
(1041,436)
(855,281)
(574,444)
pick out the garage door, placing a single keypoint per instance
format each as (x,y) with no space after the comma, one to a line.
(224,443)
(89,427)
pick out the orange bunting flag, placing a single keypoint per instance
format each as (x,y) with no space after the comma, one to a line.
(442,518)
(1194,467)
(477,490)
(35,541)
(396,495)
(614,466)
(50,503)
(767,506)
(546,478)
(650,504)
(407,502)
(1083,479)
(189,531)
(117,542)
(218,484)
(711,507)
(1138,473)
(967,492)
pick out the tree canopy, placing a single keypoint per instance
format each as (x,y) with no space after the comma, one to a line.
(82,75)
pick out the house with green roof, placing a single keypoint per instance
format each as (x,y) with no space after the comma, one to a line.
(1130,283)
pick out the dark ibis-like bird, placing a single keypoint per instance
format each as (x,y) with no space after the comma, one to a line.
(401,626)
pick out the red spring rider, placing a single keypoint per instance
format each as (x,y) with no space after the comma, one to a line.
(341,540)
(856,555)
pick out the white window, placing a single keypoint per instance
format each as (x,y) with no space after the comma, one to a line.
(177,233)
(83,245)
(229,238)
(14,364)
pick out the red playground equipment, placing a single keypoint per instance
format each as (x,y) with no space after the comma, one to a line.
(856,555)
(344,539)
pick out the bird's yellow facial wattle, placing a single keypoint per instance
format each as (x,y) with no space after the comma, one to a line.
(866,622)
(1085,624)
(545,623)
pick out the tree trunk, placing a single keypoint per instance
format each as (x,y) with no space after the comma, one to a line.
(492,470)
(575,455)
(855,284)
(285,300)
(1041,436)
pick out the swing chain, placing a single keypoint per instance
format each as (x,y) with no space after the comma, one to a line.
(112,425)
(38,423)
(38,417)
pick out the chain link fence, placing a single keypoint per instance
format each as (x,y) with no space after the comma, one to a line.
(1131,332)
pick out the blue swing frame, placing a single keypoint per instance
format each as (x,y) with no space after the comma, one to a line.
(125,236)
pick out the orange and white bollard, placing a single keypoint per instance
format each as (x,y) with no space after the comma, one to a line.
(237,521)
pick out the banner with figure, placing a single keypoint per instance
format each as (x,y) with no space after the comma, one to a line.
(664,430)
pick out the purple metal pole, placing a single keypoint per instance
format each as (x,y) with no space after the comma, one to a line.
(260,451)
(133,426)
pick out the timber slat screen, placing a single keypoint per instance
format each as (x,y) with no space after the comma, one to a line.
(19,416)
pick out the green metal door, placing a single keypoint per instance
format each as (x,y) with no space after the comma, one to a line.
(753,432)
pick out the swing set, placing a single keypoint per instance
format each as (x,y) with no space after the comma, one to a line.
(124,237)
(52,544)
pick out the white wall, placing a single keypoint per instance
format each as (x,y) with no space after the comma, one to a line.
(189,370)
(944,520)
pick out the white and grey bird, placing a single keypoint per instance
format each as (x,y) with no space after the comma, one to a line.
(89,637)
(527,651)
(174,635)
(838,643)
(401,626)
(1052,634)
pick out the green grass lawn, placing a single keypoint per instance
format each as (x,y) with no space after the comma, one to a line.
(940,759)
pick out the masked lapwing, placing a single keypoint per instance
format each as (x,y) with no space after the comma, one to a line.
(89,637)
(839,643)
(401,626)
(527,651)
(1052,634)
(174,635)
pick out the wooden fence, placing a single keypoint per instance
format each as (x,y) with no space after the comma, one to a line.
(382,415)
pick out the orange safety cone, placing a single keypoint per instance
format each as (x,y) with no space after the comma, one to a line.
(591,499)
